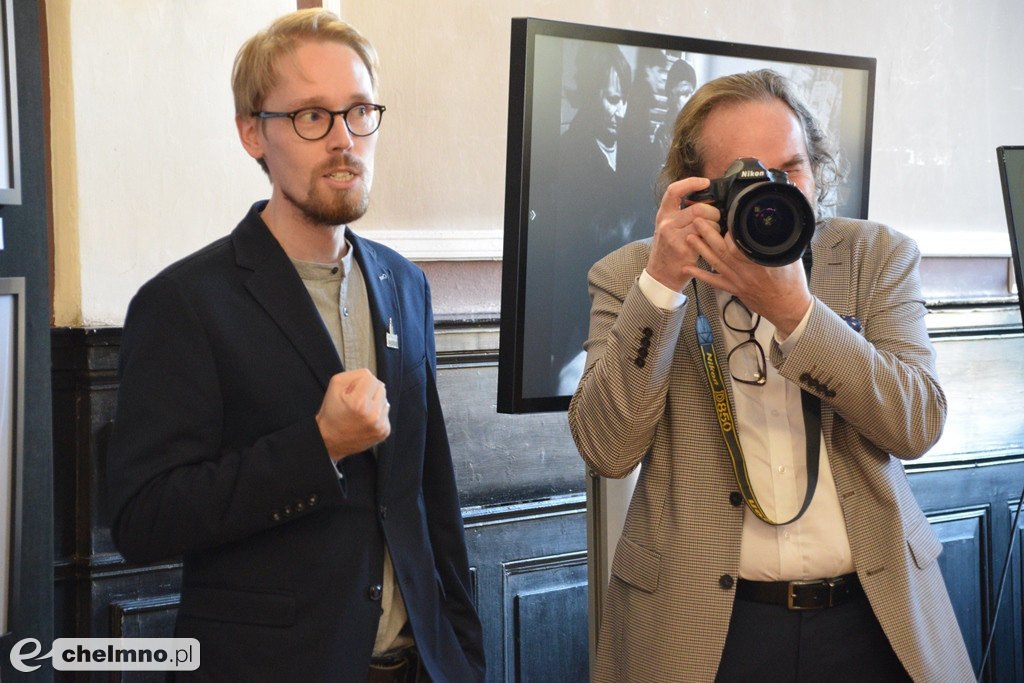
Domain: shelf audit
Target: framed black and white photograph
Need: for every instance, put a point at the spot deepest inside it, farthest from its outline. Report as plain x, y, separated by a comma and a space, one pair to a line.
591, 111
1010, 159
12, 399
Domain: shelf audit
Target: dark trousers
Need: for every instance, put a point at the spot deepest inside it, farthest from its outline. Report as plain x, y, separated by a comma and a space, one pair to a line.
772, 644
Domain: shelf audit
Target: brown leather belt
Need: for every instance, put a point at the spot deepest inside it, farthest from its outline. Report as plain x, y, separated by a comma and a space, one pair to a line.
800, 595
400, 666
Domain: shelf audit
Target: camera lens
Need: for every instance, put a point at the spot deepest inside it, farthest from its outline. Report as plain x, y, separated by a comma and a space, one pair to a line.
771, 222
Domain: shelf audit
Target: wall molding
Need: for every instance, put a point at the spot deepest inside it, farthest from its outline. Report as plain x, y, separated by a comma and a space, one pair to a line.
441, 245
487, 244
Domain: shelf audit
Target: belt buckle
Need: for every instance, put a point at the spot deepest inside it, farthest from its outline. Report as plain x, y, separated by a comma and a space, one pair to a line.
791, 593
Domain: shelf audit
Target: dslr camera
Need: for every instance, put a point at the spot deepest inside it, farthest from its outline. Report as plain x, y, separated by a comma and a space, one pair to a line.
770, 219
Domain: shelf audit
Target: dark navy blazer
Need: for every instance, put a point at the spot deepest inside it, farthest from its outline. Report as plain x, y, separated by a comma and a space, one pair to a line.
215, 456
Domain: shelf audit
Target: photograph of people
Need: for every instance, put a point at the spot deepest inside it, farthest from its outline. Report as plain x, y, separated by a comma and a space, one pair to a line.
593, 190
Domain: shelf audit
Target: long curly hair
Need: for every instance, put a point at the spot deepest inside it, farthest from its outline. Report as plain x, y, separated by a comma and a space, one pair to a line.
686, 155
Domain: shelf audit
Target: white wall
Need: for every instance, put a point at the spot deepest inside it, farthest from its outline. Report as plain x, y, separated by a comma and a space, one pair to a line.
148, 167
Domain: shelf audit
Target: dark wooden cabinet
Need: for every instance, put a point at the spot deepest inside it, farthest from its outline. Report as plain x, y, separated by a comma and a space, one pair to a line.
523, 489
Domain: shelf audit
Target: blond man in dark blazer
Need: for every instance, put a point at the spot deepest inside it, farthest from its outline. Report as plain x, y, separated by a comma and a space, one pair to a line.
278, 422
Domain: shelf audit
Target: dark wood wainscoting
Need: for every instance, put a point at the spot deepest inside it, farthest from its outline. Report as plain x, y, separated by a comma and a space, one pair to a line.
520, 480
524, 503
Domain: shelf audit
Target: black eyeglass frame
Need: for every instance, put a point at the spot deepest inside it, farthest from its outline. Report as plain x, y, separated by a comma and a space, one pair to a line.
755, 320
343, 113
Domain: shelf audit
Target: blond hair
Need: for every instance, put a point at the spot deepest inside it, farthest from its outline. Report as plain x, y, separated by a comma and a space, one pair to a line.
255, 74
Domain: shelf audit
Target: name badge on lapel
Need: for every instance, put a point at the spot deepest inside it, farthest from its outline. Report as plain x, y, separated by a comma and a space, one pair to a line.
391, 339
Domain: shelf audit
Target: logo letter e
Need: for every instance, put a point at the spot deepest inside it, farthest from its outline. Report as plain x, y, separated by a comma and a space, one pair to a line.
18, 657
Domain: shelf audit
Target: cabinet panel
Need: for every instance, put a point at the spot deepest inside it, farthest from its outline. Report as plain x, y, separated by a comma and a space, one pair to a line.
550, 635
962, 564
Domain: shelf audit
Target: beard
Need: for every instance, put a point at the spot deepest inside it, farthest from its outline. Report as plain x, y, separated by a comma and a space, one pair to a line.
324, 207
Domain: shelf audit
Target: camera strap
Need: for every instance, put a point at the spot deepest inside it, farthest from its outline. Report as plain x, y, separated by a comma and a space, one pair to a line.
726, 422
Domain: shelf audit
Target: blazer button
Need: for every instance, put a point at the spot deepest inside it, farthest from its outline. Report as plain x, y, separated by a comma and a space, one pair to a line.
736, 499
725, 581
374, 592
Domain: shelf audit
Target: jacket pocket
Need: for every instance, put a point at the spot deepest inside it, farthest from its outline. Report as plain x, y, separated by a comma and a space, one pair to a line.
415, 375
923, 543
240, 606
636, 565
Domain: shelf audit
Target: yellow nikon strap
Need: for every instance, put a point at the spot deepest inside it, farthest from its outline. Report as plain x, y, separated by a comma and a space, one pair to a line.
812, 424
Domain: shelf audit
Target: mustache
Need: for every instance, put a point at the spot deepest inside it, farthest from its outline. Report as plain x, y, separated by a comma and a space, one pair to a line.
345, 160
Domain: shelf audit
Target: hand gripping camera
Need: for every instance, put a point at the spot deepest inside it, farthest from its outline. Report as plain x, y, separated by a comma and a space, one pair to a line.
769, 217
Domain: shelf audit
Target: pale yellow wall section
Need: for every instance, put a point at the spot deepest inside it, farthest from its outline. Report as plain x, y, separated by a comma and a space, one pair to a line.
67, 279
146, 162
147, 165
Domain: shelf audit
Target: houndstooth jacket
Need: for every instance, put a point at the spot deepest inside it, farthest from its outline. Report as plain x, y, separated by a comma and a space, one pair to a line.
667, 608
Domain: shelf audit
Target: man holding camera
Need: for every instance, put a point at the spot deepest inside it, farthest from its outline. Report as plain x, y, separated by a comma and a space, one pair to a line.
772, 534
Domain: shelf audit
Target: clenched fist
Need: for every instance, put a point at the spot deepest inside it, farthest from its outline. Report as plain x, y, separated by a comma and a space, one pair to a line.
354, 413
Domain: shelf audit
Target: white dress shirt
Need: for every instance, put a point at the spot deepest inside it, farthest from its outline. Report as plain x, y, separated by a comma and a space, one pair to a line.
770, 425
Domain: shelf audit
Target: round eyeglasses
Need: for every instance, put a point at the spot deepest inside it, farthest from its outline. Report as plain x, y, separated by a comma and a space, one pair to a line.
314, 123
747, 363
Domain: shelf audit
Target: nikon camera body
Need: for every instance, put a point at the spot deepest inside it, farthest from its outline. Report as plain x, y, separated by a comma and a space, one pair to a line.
770, 219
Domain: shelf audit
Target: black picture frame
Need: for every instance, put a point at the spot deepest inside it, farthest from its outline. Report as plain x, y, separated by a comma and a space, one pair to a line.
1010, 160
10, 147
544, 300
12, 439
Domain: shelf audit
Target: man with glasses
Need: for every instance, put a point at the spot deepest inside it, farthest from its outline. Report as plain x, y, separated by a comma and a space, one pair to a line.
278, 423
772, 534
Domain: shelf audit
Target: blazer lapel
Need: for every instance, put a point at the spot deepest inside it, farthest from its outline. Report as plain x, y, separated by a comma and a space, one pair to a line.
386, 318
831, 278
276, 286
831, 273
385, 315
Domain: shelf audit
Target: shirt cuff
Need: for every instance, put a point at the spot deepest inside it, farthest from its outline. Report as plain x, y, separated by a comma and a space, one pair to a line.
658, 294
789, 342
